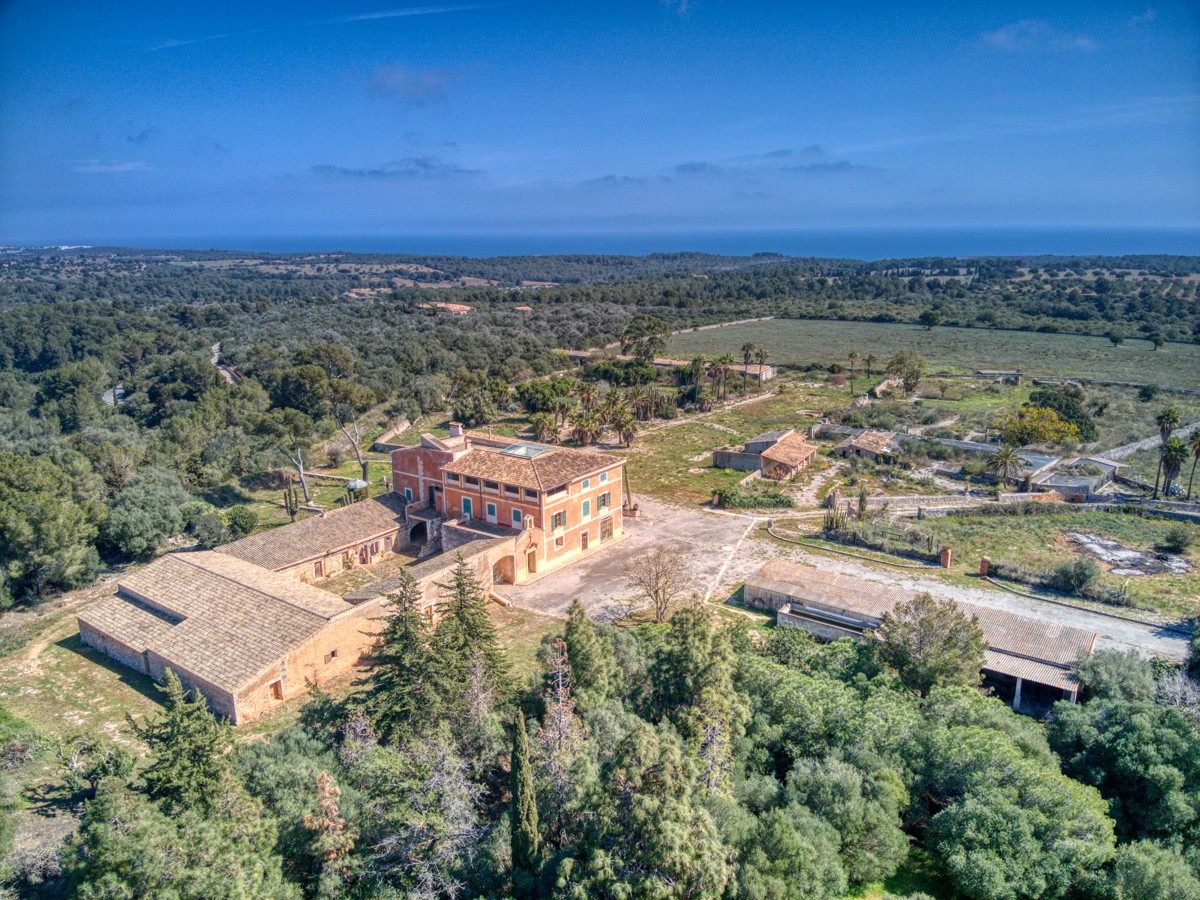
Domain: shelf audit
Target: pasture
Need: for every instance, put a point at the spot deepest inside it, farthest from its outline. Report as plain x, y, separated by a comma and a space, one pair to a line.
800, 342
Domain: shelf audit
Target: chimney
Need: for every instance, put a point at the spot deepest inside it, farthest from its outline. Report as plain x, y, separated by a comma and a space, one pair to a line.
456, 429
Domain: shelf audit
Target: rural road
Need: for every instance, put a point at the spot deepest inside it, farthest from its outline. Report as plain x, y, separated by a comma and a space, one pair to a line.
1145, 444
722, 551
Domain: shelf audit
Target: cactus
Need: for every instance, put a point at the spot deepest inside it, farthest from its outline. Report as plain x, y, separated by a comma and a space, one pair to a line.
291, 501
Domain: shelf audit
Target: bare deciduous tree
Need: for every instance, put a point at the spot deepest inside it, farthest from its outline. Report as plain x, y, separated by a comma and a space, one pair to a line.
662, 576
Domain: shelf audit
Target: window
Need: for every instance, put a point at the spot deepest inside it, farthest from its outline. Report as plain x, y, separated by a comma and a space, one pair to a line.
510, 491
606, 528
517, 521
560, 542
452, 478
587, 483
466, 507
530, 494
474, 482
603, 501
408, 495
561, 489
559, 520
331, 656
276, 690
603, 477
491, 485
491, 512
587, 509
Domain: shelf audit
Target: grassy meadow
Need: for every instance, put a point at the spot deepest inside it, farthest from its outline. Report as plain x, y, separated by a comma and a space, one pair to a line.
963, 350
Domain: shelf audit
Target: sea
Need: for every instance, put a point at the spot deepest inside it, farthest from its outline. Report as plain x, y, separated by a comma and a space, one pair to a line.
861, 244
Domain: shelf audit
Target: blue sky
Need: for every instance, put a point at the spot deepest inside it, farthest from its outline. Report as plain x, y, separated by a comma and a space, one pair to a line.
163, 121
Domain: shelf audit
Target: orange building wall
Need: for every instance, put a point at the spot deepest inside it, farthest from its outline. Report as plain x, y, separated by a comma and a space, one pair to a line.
417, 468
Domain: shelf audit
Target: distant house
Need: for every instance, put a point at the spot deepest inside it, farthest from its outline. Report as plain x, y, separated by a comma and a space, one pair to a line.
1025, 656
1077, 479
244, 637
873, 445
779, 455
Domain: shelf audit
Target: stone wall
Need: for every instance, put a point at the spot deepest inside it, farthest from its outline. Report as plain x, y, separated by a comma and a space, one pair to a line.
737, 460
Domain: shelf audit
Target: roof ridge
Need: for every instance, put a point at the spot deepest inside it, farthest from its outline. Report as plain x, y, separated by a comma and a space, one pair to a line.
257, 590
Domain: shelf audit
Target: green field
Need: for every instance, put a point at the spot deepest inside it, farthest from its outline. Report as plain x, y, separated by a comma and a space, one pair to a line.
797, 342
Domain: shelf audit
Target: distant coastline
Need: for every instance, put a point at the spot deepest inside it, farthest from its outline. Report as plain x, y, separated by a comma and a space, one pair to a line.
863, 244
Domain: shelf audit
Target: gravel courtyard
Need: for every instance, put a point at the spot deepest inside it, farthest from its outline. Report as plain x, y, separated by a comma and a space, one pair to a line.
724, 549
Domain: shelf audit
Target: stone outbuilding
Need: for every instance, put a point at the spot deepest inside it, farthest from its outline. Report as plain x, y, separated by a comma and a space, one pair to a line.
245, 638
874, 445
323, 545
1026, 659
779, 455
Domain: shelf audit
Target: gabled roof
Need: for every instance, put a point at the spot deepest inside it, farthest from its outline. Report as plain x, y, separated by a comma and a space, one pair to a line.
216, 617
872, 441
549, 469
770, 437
320, 535
792, 450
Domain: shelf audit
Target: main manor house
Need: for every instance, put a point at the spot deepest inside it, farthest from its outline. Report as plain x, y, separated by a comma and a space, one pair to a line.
248, 625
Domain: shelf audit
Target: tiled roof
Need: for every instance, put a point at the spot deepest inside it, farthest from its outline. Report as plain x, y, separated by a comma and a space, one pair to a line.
555, 467
234, 619
874, 441
769, 436
1016, 643
792, 450
320, 535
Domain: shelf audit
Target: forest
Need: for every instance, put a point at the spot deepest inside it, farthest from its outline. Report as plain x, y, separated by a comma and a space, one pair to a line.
692, 759
117, 430
705, 757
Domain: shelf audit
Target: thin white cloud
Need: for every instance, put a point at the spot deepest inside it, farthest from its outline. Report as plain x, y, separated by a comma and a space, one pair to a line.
1148, 16
411, 11
96, 167
415, 86
1036, 34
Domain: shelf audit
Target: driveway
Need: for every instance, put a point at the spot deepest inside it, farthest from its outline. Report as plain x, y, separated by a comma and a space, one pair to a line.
707, 540
722, 551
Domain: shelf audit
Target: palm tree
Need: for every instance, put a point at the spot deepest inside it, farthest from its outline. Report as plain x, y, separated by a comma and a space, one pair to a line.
1194, 446
853, 357
587, 394
1174, 454
868, 362
747, 352
544, 426
1006, 463
760, 357
626, 427
723, 370
1168, 421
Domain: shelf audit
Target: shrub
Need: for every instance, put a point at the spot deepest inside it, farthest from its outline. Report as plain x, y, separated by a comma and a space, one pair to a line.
241, 521
1073, 576
742, 498
1177, 539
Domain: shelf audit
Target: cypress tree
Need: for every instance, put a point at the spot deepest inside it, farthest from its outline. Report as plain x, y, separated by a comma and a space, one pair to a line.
525, 839
593, 670
466, 630
189, 749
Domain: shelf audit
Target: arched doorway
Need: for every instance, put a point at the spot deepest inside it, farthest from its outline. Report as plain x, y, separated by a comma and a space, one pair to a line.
504, 571
418, 534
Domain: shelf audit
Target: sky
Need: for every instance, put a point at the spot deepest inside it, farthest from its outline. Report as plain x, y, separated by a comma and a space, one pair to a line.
172, 122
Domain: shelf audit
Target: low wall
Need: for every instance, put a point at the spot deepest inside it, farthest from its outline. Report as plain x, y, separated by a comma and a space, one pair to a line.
737, 460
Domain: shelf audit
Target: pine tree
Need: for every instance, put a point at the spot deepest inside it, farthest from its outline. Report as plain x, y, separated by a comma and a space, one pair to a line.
466, 630
560, 740
189, 749
332, 841
404, 684
592, 667
525, 839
